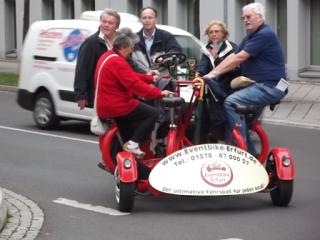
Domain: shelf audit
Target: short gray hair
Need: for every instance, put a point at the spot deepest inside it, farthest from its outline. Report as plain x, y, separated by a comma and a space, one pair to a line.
113, 13
124, 38
257, 8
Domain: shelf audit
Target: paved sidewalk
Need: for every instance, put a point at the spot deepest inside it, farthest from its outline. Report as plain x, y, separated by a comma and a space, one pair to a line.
23, 219
301, 107
3, 210
10, 66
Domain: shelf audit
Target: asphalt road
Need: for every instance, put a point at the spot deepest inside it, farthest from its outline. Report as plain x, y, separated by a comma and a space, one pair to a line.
49, 165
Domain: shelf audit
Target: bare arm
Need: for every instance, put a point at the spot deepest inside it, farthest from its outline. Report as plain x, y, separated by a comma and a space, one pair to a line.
231, 62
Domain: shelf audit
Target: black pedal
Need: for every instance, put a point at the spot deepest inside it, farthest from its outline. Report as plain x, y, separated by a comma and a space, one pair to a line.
100, 165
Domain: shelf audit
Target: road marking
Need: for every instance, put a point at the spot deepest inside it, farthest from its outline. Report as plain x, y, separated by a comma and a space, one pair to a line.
99, 209
48, 134
231, 239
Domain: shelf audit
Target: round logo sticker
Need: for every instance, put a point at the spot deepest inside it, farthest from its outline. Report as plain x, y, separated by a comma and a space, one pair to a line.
217, 173
72, 44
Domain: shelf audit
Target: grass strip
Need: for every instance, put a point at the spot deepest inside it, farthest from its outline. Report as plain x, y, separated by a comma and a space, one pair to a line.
9, 79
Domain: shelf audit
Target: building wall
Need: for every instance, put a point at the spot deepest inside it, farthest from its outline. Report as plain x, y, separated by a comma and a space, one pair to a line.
2, 30
172, 12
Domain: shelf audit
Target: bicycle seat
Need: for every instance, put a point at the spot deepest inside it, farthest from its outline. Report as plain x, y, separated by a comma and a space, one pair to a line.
245, 109
172, 101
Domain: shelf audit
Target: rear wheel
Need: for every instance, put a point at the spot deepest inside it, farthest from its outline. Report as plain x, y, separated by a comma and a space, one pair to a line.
44, 112
280, 190
124, 193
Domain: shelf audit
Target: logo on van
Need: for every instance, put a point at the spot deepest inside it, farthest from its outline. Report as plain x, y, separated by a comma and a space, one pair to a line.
72, 44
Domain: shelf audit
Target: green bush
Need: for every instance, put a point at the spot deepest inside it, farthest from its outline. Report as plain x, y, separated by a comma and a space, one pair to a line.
9, 79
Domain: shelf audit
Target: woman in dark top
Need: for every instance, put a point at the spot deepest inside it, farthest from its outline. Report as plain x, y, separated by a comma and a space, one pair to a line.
217, 49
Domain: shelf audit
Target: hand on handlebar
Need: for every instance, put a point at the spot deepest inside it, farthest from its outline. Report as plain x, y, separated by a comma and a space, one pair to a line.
155, 74
166, 93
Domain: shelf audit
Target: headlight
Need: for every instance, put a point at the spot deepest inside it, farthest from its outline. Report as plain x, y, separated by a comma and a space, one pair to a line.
286, 161
127, 163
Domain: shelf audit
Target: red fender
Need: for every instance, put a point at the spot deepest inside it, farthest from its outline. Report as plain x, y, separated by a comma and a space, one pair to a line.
127, 174
283, 172
104, 144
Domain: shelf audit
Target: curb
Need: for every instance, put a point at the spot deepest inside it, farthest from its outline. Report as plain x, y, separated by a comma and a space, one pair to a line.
8, 88
3, 210
24, 217
286, 122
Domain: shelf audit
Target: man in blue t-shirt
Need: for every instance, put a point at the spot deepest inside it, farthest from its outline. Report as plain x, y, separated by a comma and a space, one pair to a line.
261, 58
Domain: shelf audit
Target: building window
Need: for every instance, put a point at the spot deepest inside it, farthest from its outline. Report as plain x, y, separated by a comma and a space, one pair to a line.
314, 32
282, 24
193, 17
162, 8
68, 9
135, 7
10, 28
88, 5
48, 9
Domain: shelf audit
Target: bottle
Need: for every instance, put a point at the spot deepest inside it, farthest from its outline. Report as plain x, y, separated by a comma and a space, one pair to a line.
191, 68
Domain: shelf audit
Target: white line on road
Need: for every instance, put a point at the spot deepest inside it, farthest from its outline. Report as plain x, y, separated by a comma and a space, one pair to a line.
48, 134
99, 209
232, 239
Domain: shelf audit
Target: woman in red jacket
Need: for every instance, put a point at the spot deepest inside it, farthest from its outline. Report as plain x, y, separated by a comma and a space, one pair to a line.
118, 85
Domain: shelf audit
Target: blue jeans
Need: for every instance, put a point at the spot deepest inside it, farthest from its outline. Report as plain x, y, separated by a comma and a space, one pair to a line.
257, 94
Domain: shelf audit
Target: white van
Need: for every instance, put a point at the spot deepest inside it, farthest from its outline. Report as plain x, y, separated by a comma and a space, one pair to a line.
48, 64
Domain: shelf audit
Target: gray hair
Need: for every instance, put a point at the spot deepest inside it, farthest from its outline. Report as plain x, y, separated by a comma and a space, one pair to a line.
124, 37
113, 13
257, 8
220, 24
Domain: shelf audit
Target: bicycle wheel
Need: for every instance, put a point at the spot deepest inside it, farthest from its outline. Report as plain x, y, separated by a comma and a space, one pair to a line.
280, 190
124, 193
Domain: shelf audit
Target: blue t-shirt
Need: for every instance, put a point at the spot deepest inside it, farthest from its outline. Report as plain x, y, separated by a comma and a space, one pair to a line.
266, 63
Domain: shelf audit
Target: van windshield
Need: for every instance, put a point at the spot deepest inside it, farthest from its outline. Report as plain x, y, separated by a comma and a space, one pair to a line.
189, 46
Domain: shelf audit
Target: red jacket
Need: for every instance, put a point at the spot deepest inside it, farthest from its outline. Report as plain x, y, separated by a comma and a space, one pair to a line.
118, 84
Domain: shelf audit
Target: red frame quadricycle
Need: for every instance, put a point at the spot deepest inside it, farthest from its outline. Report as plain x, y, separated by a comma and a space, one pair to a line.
178, 163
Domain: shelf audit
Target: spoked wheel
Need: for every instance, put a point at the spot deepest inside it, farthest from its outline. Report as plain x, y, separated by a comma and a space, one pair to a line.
280, 190
125, 193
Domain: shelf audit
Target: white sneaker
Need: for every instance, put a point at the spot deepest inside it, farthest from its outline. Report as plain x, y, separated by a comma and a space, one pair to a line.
133, 148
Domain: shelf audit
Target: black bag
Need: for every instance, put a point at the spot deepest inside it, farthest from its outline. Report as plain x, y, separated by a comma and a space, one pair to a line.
214, 103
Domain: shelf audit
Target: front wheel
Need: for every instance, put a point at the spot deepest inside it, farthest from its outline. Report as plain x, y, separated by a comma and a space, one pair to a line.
282, 194
280, 190
124, 193
44, 112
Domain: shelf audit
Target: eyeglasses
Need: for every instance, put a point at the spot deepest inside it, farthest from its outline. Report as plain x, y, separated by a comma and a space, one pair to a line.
215, 31
248, 17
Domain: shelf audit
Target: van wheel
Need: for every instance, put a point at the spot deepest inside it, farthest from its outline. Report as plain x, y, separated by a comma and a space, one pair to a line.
44, 112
